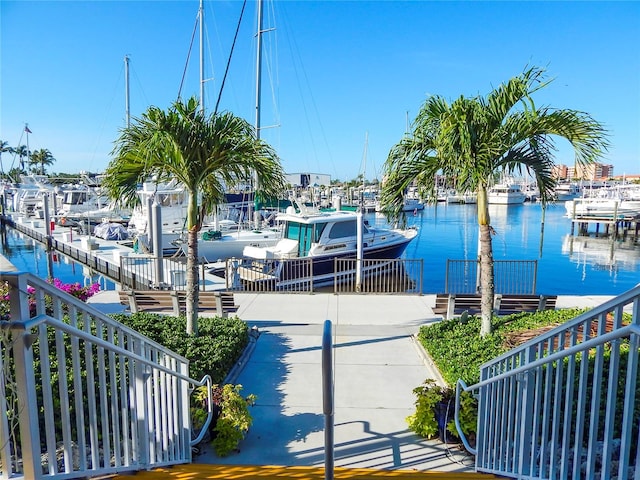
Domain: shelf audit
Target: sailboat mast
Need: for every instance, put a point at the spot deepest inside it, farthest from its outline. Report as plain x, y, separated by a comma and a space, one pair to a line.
201, 21
259, 68
127, 111
258, 101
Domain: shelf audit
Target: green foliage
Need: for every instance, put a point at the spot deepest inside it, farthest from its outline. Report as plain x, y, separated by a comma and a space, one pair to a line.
234, 420
458, 350
468, 415
215, 350
423, 421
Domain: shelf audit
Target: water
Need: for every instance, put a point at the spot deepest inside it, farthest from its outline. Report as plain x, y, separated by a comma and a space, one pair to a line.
591, 266
27, 255
450, 231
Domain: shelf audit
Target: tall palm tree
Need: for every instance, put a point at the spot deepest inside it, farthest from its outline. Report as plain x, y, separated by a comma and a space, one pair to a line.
475, 139
40, 158
204, 153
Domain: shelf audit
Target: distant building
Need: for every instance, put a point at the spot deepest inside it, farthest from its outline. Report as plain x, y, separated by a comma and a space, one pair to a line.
560, 172
592, 171
305, 180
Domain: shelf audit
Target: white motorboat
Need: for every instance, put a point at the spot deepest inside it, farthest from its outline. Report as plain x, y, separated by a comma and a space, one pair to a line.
617, 202
506, 194
567, 191
321, 237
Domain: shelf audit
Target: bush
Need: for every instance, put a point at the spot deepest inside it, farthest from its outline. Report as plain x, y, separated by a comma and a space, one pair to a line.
458, 350
218, 346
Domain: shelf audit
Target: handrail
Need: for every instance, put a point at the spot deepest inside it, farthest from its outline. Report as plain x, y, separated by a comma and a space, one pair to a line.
580, 347
567, 352
550, 406
456, 417
141, 388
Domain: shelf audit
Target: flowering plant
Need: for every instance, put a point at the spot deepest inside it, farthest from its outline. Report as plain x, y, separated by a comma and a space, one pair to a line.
82, 293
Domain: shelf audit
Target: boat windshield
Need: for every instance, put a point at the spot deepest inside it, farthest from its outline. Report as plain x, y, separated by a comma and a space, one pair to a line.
345, 229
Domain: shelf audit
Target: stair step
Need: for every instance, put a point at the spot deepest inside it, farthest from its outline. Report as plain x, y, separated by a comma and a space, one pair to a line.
249, 472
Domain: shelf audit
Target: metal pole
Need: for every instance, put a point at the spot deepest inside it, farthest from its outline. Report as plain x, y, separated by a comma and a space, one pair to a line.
327, 399
201, 21
157, 241
126, 91
47, 229
359, 252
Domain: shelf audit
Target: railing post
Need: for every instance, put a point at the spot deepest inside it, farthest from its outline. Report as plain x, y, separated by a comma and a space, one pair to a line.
527, 389
141, 405
25, 381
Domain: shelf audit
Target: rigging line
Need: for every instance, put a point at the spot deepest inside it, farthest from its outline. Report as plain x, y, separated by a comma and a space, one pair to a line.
226, 71
186, 65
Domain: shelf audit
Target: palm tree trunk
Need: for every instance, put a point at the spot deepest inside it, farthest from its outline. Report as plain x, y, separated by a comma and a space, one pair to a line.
193, 297
486, 262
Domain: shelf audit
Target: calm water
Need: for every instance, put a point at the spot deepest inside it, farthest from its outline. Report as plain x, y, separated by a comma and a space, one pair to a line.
589, 266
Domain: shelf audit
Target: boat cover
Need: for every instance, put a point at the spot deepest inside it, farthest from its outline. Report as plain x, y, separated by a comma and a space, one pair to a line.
111, 231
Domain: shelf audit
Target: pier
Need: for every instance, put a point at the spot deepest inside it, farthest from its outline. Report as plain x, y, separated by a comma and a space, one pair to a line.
115, 260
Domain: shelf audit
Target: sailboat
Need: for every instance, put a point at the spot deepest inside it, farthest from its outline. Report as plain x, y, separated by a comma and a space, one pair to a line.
216, 243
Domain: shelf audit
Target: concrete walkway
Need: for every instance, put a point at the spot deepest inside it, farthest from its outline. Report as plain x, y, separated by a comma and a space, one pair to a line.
376, 366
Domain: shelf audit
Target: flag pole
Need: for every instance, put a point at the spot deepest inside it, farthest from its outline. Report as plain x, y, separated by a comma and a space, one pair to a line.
27, 132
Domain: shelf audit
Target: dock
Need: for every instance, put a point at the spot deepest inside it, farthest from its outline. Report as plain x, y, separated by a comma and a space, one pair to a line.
115, 260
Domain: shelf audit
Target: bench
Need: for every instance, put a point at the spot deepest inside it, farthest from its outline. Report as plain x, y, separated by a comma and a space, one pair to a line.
454, 304
222, 303
508, 304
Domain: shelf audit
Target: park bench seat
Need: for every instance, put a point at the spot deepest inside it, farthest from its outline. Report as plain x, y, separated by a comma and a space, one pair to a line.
174, 301
454, 304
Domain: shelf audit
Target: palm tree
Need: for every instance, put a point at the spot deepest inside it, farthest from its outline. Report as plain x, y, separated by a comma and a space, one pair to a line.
475, 139
41, 158
206, 154
4, 147
21, 151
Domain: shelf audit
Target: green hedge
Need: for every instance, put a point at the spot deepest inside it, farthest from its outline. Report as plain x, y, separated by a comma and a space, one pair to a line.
218, 346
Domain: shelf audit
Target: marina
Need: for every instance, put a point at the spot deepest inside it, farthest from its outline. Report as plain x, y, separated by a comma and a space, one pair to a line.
579, 263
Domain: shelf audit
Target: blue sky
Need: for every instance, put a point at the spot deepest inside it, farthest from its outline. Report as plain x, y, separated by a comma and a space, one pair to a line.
340, 78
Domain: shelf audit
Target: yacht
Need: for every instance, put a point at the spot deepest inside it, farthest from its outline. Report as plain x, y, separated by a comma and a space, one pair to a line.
321, 237
506, 194
567, 191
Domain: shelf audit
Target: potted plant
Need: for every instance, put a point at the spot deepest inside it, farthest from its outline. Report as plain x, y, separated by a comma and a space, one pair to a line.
231, 416
433, 417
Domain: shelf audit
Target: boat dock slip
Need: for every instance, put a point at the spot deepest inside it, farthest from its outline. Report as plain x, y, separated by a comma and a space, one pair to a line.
114, 260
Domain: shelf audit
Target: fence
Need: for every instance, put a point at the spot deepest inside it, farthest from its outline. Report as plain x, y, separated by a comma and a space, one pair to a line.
510, 276
565, 404
85, 395
378, 276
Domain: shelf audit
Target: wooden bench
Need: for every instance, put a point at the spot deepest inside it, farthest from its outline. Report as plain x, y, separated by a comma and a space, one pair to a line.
508, 304
454, 304
222, 303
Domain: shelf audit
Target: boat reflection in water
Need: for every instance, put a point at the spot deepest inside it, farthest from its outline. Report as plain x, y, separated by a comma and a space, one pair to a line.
606, 253
311, 249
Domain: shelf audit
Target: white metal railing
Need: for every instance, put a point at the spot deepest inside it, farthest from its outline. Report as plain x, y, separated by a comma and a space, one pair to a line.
85, 395
567, 403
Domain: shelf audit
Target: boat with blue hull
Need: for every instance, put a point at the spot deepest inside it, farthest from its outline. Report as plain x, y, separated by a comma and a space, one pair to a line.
311, 243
